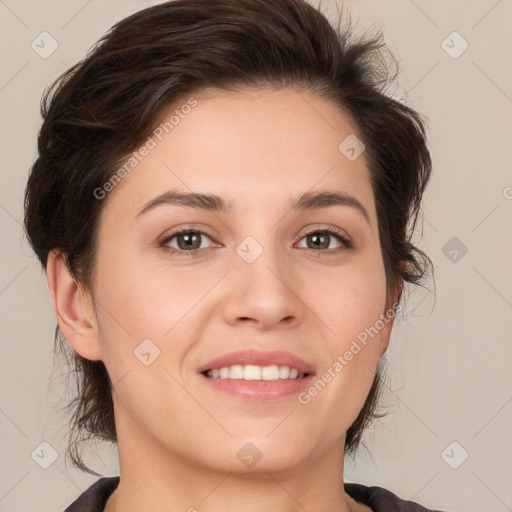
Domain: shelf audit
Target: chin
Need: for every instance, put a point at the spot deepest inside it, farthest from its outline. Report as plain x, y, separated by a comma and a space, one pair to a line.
252, 455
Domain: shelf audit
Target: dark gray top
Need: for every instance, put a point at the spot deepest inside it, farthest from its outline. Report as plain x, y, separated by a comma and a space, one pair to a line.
378, 499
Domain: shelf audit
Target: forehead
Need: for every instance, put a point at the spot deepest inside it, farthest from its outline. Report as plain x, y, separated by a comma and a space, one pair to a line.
253, 147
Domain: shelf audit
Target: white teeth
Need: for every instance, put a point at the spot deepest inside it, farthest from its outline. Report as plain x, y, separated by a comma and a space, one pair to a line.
254, 372
251, 372
270, 372
284, 372
236, 372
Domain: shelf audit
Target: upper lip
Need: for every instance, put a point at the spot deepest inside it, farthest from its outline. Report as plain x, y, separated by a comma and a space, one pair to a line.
258, 358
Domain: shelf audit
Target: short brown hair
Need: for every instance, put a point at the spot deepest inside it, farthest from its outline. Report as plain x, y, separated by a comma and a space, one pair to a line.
103, 108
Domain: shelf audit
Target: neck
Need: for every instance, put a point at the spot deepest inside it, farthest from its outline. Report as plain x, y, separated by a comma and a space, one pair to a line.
153, 478
231, 493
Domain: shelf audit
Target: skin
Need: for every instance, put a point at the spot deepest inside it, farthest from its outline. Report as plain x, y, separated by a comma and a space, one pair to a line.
177, 437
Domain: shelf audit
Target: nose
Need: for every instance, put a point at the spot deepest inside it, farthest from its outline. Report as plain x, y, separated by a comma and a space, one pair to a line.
264, 293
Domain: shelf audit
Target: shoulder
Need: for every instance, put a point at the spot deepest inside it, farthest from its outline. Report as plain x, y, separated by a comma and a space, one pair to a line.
94, 498
382, 500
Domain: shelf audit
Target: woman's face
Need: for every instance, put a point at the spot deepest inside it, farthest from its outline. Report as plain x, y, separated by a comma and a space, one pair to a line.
258, 275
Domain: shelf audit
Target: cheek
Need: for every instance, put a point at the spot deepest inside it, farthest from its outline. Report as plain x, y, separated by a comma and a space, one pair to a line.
348, 299
148, 302
139, 313
145, 310
350, 304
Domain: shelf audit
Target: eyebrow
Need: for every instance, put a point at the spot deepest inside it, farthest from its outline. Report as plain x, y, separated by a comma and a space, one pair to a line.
215, 203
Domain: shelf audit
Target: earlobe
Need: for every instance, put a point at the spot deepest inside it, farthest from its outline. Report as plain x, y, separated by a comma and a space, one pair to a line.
385, 335
389, 318
72, 307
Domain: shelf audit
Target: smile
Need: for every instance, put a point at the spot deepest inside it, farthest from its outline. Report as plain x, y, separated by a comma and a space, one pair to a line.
254, 372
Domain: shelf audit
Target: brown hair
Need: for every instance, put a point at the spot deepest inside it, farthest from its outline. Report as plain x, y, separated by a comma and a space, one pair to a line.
103, 108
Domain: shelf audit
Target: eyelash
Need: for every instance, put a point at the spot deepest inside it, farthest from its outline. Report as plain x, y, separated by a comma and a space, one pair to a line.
347, 244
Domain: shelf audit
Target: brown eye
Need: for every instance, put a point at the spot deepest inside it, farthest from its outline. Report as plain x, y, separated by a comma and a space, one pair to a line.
319, 240
185, 241
322, 239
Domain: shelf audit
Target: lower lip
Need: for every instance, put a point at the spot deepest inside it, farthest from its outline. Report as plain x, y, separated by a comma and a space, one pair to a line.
260, 390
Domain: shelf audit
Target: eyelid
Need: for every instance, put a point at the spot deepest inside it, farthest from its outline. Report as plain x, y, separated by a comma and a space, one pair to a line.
313, 228
171, 232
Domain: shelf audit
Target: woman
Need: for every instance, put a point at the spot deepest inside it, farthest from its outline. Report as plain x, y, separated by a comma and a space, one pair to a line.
221, 202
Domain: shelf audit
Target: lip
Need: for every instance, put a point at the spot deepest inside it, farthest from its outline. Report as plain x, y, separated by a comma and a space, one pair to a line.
259, 390
258, 358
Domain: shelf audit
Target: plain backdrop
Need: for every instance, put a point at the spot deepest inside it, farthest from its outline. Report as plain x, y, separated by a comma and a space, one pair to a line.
446, 440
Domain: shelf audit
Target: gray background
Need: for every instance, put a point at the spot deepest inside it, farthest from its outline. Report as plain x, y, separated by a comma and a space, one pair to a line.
449, 363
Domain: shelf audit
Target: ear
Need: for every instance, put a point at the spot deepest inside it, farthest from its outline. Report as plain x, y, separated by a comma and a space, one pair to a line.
389, 317
73, 308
